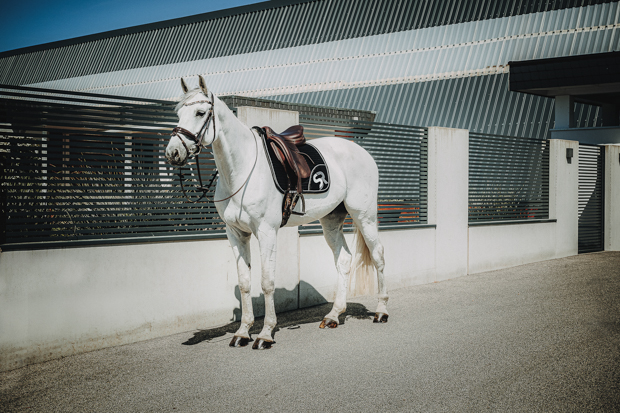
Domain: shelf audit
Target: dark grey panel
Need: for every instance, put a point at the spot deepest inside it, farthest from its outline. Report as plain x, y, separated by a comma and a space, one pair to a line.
591, 203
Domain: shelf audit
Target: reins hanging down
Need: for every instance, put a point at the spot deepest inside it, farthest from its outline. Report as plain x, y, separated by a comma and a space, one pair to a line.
204, 189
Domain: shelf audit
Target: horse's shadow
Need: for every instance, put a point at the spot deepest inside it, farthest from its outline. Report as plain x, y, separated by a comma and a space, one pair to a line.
286, 319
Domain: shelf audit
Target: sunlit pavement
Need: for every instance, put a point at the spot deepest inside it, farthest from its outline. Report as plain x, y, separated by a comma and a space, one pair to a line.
538, 337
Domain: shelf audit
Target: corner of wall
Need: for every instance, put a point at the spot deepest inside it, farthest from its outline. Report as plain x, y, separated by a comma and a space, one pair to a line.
564, 195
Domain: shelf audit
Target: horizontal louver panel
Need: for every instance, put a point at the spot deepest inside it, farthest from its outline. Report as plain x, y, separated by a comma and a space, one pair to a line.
81, 169
508, 178
590, 208
88, 168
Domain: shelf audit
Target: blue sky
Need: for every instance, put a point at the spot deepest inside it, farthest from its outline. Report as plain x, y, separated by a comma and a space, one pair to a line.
31, 22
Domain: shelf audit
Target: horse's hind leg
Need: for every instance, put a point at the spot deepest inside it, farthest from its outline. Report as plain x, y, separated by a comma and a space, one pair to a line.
240, 243
367, 225
332, 230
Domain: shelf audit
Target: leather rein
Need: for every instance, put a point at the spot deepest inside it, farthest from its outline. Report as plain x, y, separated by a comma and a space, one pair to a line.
197, 139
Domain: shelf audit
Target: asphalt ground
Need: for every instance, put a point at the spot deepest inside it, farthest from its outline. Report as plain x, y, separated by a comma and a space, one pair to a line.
538, 337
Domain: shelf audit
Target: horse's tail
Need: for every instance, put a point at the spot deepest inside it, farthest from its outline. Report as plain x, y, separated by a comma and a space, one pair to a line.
361, 274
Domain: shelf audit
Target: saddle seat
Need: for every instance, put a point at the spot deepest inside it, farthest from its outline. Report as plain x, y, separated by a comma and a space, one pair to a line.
285, 147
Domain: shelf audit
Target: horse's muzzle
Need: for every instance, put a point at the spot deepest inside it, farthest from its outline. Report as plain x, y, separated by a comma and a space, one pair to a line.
175, 157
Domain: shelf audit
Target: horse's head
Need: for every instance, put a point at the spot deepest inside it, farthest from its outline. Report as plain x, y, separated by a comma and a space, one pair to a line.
193, 132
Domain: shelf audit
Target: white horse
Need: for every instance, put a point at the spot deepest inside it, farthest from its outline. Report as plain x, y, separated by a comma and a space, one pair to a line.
249, 203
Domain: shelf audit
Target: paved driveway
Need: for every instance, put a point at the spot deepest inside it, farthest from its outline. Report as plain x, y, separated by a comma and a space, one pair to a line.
538, 337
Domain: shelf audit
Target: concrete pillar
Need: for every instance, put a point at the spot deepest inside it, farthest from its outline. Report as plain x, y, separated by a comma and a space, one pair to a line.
564, 112
448, 190
563, 194
612, 198
287, 258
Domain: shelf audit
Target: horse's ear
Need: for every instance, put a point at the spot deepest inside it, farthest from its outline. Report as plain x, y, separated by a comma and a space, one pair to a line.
184, 86
203, 85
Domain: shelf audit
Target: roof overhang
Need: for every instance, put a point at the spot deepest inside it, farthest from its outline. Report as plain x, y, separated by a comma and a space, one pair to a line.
592, 79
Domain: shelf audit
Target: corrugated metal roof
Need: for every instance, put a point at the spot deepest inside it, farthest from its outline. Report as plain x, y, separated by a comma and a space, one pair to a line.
262, 27
481, 104
445, 52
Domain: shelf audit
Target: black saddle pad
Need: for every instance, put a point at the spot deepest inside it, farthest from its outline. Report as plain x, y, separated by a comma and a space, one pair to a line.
317, 183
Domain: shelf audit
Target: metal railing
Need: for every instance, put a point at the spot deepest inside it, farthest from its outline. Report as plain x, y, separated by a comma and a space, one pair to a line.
81, 169
87, 169
508, 178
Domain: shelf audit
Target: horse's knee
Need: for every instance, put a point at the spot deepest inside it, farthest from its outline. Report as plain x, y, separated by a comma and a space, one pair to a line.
268, 286
245, 285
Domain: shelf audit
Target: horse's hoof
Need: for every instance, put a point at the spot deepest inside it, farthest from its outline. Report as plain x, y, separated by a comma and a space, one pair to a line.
380, 318
328, 323
261, 344
239, 341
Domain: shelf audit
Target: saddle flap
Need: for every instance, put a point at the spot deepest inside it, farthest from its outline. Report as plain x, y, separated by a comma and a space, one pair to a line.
285, 147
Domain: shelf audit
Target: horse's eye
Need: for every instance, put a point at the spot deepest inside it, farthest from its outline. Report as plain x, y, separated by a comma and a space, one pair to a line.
200, 113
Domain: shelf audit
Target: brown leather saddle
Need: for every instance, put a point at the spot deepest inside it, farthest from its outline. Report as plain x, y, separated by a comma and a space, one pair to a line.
284, 145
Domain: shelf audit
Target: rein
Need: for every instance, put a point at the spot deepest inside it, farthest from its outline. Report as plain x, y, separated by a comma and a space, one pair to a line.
198, 138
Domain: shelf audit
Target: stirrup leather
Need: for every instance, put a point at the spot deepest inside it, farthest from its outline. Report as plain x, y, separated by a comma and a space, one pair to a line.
288, 205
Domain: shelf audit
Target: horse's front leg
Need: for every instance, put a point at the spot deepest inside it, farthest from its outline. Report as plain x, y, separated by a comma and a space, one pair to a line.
267, 241
240, 243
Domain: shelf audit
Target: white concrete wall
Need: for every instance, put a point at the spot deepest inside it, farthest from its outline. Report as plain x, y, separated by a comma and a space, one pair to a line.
412, 256
276, 119
612, 198
64, 301
59, 302
492, 247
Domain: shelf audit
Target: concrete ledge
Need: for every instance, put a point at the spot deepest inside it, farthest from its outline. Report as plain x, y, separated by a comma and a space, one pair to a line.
497, 246
511, 222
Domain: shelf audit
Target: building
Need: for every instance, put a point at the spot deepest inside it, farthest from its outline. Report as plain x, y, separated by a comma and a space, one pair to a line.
431, 63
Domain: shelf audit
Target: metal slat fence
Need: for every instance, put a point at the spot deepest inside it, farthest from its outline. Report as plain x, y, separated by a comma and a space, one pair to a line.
508, 178
87, 169
81, 169
401, 155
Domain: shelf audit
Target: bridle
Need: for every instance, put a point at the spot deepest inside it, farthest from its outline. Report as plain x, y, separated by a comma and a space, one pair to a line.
198, 138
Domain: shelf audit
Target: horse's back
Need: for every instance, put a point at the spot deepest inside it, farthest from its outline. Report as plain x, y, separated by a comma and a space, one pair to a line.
356, 165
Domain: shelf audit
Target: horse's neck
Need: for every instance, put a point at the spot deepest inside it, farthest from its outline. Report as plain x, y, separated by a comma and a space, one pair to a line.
234, 148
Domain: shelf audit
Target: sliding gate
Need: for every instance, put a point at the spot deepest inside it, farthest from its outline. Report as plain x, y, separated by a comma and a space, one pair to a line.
591, 161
